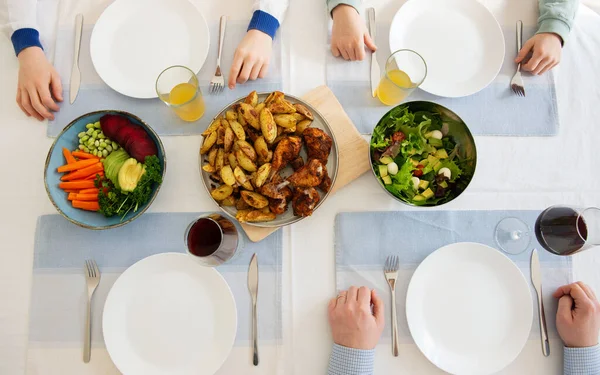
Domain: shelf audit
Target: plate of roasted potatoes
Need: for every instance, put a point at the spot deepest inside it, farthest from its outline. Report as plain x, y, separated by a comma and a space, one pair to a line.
269, 159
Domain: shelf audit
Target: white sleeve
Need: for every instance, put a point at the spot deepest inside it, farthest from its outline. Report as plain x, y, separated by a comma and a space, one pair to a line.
21, 14
276, 8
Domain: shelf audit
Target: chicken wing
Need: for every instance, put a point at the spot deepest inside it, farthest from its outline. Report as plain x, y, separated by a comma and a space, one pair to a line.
318, 144
310, 175
325, 182
279, 196
305, 201
287, 150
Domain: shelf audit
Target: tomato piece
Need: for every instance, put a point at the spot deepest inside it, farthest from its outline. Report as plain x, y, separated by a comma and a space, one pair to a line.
398, 137
420, 166
418, 172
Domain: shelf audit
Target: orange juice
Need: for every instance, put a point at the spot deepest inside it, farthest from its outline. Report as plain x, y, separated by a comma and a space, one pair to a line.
186, 100
394, 87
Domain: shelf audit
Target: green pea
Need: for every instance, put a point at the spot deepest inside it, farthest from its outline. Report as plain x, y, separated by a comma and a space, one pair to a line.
115, 146
85, 149
104, 153
97, 125
109, 148
102, 144
101, 136
90, 143
81, 147
96, 132
89, 126
85, 138
89, 132
81, 134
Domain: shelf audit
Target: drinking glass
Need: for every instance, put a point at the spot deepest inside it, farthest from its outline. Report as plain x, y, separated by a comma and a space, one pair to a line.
564, 230
212, 239
513, 235
405, 70
177, 86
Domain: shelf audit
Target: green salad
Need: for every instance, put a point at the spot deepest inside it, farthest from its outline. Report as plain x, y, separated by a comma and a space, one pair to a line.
416, 160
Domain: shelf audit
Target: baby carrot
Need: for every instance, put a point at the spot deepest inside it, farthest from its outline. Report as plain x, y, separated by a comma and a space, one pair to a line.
89, 206
85, 172
77, 165
72, 196
90, 191
88, 184
68, 156
86, 197
83, 155
93, 176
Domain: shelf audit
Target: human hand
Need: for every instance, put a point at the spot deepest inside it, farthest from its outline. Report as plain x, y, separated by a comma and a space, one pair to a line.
39, 84
578, 315
251, 58
545, 49
349, 34
352, 323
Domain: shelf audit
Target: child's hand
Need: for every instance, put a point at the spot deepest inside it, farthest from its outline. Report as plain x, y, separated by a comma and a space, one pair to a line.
349, 34
545, 49
251, 58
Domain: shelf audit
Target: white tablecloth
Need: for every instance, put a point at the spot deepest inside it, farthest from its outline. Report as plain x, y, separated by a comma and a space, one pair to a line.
513, 173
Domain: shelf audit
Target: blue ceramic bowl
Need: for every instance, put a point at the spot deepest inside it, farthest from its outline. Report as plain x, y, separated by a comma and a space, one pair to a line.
68, 138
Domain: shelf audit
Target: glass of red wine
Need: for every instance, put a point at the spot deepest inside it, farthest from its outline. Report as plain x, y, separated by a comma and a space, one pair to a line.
564, 230
212, 239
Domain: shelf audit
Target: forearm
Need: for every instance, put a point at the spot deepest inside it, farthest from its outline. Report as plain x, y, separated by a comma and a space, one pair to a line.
22, 25
331, 4
268, 15
556, 16
582, 361
348, 361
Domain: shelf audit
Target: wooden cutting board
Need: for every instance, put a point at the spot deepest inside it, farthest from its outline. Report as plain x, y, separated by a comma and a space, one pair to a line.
352, 148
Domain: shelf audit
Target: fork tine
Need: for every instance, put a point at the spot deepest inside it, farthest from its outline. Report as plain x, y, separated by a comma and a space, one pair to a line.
96, 270
87, 269
397, 264
387, 264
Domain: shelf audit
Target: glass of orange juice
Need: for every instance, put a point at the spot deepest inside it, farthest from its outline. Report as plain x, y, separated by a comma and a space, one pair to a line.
405, 70
177, 86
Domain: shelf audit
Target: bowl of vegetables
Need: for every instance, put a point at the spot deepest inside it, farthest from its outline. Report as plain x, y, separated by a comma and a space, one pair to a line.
423, 154
104, 169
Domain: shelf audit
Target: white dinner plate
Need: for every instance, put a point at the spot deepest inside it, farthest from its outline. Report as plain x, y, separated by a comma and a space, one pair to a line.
133, 41
167, 314
469, 309
460, 41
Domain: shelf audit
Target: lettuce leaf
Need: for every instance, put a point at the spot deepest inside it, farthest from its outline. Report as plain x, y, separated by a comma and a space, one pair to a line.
401, 184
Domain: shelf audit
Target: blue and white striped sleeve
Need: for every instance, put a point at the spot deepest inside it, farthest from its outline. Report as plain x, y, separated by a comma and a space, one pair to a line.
268, 16
348, 361
582, 361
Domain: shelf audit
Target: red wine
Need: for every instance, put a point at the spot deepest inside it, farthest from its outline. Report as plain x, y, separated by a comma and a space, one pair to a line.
204, 237
561, 230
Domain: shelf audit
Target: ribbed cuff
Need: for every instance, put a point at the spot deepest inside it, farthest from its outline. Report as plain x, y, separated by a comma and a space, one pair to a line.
582, 361
25, 38
348, 361
331, 4
555, 26
264, 22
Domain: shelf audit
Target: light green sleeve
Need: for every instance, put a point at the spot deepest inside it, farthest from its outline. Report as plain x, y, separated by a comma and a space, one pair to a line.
556, 16
331, 4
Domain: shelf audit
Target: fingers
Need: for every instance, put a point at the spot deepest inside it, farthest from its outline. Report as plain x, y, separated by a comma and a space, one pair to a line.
377, 308
341, 298
345, 54
588, 291
351, 53
565, 308
364, 296
352, 294
575, 291
535, 60
238, 60
19, 103
56, 86
370, 43
46, 98
542, 65
359, 52
263, 70
26, 103
335, 51
36, 102
331, 305
524, 51
548, 67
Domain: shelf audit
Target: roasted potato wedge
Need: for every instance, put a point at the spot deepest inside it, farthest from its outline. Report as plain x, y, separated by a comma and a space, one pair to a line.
209, 141
238, 129
280, 105
301, 108
244, 161
258, 216
224, 122
273, 96
208, 168
240, 118
248, 149
228, 139
267, 125
230, 115
212, 127
241, 177
262, 174
254, 199
221, 192
285, 120
252, 99
241, 204
261, 148
219, 160
212, 155
227, 175
299, 117
229, 201
302, 125
232, 160
249, 115
242, 213
289, 130
259, 107
220, 135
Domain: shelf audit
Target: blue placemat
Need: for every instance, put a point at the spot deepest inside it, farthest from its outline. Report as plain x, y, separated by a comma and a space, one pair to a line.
58, 296
363, 240
95, 95
494, 110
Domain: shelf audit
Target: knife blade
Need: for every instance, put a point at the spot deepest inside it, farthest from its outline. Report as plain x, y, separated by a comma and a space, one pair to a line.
536, 280
375, 71
75, 73
253, 289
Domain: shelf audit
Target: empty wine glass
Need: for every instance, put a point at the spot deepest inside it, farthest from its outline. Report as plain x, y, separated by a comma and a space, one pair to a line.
512, 235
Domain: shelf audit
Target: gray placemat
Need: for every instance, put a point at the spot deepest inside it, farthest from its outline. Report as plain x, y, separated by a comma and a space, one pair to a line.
95, 95
58, 295
363, 240
494, 110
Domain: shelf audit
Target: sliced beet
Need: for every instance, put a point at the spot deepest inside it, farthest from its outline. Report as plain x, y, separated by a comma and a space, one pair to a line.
141, 148
110, 124
123, 135
136, 136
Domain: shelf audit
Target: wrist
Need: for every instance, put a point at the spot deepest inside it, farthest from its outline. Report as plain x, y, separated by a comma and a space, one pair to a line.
343, 10
29, 52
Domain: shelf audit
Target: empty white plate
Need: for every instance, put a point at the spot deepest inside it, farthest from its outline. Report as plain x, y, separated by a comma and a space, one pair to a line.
133, 41
469, 309
460, 41
167, 314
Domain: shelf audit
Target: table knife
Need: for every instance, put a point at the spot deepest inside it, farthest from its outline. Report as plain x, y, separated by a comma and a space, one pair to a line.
536, 279
253, 289
375, 72
75, 73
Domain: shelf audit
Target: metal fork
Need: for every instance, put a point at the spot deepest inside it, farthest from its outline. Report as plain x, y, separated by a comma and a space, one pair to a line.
92, 279
516, 84
390, 271
217, 84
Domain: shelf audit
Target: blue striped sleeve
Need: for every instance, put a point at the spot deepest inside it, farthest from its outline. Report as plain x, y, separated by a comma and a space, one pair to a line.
264, 22
582, 361
25, 38
348, 361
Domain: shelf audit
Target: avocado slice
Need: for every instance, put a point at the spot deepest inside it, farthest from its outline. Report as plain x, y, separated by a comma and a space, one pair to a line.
435, 142
130, 174
432, 159
437, 166
441, 154
387, 180
419, 198
423, 184
444, 184
424, 162
113, 163
383, 170
428, 193
386, 160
